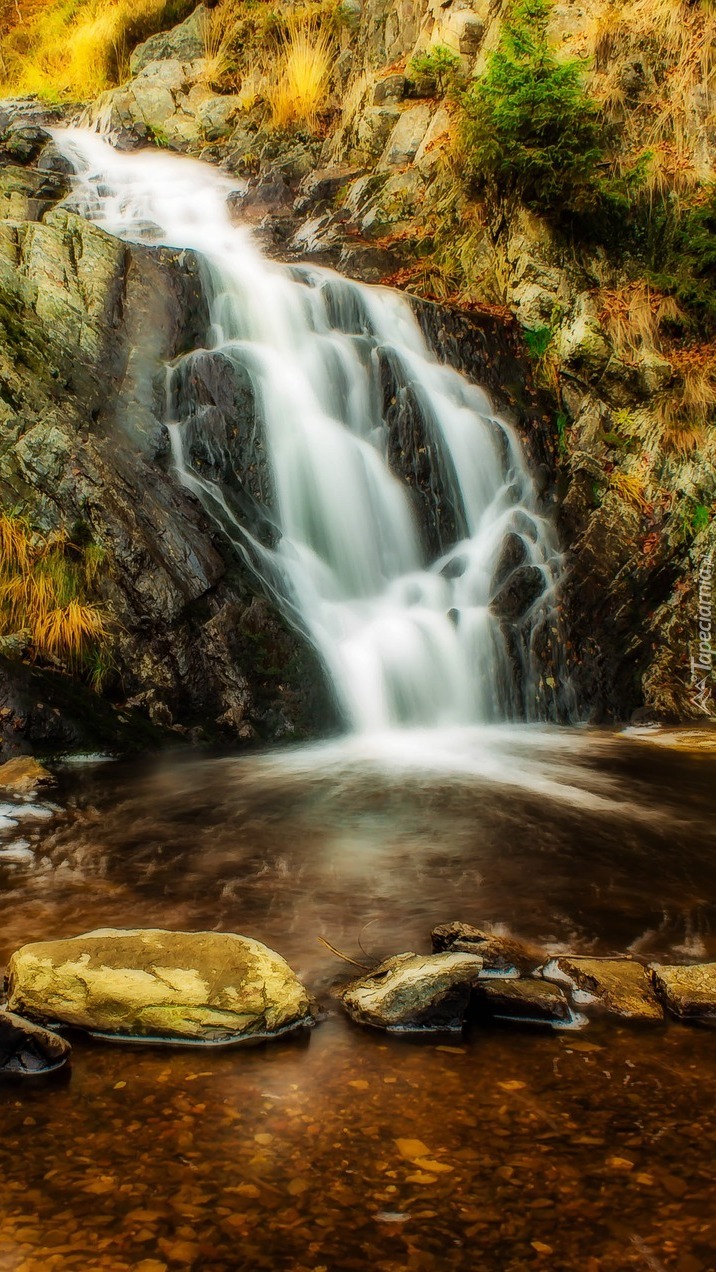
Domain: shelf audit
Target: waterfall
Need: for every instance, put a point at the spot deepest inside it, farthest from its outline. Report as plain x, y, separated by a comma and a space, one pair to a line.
404, 620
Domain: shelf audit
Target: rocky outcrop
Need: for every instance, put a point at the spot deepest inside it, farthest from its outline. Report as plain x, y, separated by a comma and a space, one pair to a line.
200, 987
29, 1051
87, 323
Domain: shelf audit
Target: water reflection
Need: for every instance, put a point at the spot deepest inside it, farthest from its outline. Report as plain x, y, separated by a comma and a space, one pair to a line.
564, 1152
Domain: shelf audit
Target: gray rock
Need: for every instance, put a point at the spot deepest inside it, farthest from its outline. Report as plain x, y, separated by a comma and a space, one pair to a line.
29, 1051
184, 43
689, 992
406, 137
415, 992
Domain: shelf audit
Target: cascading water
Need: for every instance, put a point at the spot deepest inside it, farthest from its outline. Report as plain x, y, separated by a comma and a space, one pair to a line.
334, 534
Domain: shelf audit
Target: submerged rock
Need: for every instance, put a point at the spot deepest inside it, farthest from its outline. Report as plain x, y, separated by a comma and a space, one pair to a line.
210, 987
415, 992
616, 984
689, 992
27, 1050
498, 953
526, 999
23, 774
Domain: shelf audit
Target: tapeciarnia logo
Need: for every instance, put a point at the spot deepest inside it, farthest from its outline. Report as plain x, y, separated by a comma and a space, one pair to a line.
702, 665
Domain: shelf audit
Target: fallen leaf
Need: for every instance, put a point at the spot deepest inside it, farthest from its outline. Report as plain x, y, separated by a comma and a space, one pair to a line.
541, 1248
421, 1177
428, 1163
412, 1148
512, 1085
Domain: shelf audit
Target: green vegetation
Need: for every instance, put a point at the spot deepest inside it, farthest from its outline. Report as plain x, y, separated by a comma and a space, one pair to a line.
530, 133
436, 72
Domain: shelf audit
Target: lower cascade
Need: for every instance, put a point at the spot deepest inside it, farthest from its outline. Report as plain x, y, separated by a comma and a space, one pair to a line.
298, 473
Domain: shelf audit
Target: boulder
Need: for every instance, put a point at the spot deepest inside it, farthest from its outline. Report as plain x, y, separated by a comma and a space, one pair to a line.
183, 43
528, 999
498, 953
27, 1050
521, 591
619, 985
23, 774
193, 987
689, 992
415, 992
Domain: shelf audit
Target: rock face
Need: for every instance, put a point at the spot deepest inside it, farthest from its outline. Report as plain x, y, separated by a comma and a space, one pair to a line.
689, 992
618, 985
498, 953
415, 992
86, 324
29, 1051
208, 987
22, 775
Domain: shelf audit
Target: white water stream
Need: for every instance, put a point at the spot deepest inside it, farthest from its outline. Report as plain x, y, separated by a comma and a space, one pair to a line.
405, 640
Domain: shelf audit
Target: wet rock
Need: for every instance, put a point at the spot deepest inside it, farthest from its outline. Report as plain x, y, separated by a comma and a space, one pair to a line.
689, 992
512, 555
527, 999
183, 43
619, 985
498, 953
415, 992
27, 1050
23, 774
208, 987
517, 596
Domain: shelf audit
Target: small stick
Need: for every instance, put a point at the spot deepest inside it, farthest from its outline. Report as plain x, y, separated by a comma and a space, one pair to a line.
345, 957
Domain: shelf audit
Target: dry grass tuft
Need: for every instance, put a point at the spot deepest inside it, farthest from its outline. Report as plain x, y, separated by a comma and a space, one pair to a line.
73, 50
631, 489
633, 318
654, 74
44, 582
298, 91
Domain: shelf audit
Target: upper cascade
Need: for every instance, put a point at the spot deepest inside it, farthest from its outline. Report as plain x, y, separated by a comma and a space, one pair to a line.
406, 628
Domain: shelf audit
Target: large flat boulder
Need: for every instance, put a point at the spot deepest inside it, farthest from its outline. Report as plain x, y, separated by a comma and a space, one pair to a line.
689, 992
29, 1051
210, 987
415, 992
618, 985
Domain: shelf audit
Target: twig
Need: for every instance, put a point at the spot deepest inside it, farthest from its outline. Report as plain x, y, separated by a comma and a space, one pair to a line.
345, 957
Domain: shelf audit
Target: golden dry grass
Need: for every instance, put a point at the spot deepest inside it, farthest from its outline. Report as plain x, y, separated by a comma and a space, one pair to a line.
631, 488
633, 318
43, 594
62, 49
297, 91
654, 74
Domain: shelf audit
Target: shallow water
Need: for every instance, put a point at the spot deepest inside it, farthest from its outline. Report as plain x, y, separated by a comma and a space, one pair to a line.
560, 1150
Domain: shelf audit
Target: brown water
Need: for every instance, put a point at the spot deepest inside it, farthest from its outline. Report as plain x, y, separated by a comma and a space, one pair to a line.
593, 1150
